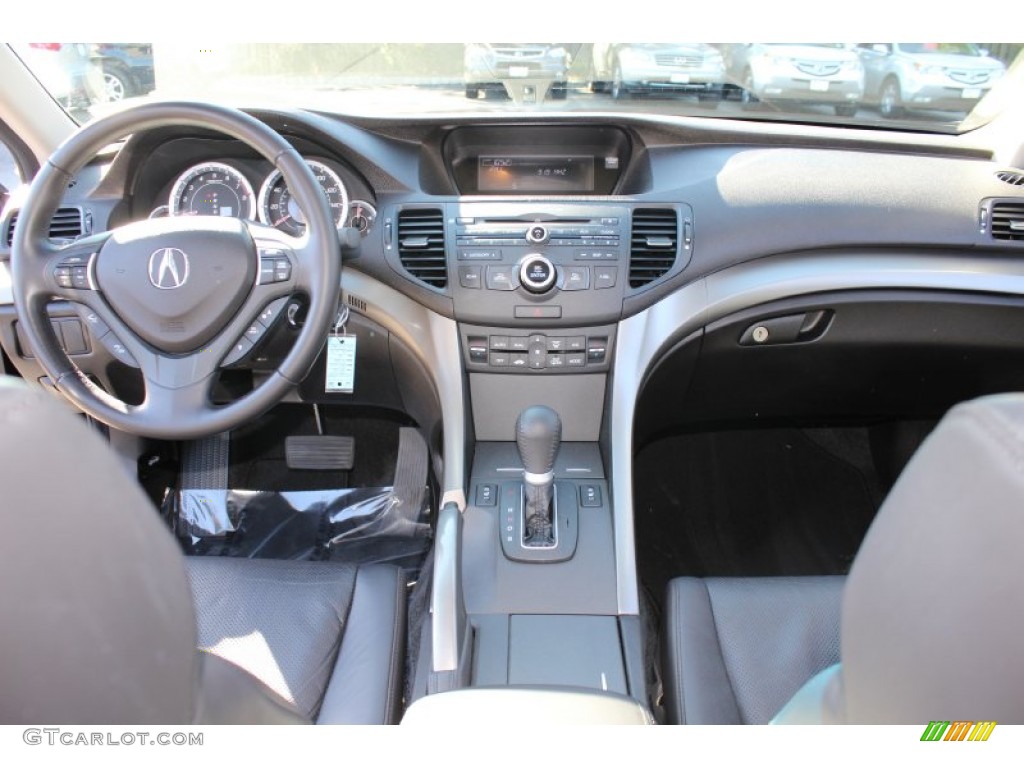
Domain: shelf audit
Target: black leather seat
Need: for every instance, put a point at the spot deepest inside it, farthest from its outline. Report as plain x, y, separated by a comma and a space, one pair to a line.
106, 622
927, 625
738, 649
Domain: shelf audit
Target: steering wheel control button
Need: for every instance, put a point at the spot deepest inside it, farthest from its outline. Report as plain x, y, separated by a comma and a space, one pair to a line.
93, 322
575, 279
240, 350
605, 277
79, 277
537, 234
73, 272
537, 273
501, 278
275, 270
271, 312
120, 352
62, 275
255, 332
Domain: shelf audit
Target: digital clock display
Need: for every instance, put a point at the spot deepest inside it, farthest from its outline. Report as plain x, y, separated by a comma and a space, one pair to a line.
536, 173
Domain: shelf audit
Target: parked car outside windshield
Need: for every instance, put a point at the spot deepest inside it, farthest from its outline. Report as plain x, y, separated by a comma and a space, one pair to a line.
933, 76
828, 83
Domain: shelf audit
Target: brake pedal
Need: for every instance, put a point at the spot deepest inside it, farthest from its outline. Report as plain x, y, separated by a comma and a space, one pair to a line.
321, 452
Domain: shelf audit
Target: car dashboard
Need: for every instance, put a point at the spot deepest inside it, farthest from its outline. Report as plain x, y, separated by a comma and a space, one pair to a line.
636, 275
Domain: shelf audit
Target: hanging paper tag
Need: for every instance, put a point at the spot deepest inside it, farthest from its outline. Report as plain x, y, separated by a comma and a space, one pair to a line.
341, 363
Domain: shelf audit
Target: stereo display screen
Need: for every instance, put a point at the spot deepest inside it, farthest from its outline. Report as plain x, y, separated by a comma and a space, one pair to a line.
536, 173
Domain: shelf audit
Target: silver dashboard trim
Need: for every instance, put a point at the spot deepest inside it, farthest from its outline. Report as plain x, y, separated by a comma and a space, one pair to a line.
435, 340
6, 287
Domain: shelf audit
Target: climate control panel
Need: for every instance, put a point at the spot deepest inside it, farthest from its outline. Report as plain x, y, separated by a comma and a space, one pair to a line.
512, 350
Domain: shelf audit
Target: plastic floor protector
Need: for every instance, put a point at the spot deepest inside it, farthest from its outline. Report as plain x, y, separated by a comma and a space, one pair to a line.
357, 525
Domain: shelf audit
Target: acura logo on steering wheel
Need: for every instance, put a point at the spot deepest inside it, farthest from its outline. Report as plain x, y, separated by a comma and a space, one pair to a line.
168, 268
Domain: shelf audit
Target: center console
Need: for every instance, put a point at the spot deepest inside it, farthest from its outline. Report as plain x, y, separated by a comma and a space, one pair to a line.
537, 257
538, 296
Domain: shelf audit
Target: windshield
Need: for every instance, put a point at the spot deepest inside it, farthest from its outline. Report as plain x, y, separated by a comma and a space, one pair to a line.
857, 84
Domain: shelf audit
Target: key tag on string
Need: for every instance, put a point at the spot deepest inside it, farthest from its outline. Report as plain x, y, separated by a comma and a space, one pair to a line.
341, 356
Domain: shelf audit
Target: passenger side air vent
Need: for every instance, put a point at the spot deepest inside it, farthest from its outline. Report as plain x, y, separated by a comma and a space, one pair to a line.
66, 224
1011, 177
1008, 221
421, 245
654, 244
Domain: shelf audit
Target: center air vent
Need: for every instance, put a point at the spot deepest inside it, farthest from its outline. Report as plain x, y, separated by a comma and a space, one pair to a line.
421, 245
66, 224
654, 244
1011, 177
1008, 221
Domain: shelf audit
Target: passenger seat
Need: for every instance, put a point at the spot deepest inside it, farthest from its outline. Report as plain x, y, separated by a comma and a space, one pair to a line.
927, 625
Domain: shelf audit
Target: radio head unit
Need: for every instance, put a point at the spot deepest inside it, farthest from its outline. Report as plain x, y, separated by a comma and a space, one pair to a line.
544, 264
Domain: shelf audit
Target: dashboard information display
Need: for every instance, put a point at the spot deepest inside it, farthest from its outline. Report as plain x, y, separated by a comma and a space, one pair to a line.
536, 173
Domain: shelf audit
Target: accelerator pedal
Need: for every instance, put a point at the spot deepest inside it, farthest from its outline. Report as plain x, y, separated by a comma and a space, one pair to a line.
320, 452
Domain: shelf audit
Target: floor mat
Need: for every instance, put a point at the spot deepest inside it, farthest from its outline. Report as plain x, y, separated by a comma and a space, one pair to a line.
378, 512
360, 525
752, 503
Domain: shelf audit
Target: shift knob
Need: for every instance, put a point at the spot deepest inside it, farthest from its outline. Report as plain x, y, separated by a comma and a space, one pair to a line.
538, 436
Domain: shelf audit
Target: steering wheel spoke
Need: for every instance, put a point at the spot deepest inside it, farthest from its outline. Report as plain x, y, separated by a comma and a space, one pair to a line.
163, 404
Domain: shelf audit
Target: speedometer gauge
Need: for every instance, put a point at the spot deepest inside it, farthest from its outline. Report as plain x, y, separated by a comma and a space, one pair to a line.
279, 209
213, 189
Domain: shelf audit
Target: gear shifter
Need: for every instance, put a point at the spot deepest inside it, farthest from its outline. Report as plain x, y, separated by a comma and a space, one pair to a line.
538, 436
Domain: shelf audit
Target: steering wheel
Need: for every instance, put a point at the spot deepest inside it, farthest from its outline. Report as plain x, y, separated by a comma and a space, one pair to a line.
177, 293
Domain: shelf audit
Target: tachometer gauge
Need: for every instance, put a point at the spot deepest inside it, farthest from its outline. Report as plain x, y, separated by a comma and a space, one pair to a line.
213, 189
361, 216
279, 209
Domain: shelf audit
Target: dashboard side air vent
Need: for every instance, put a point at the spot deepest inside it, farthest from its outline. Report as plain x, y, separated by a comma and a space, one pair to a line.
66, 224
421, 245
1011, 177
1007, 221
654, 244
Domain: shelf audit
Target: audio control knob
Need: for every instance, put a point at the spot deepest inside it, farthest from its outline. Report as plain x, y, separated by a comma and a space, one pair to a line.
537, 234
536, 273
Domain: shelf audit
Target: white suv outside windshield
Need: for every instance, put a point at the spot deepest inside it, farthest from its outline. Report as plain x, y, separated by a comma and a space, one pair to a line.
828, 83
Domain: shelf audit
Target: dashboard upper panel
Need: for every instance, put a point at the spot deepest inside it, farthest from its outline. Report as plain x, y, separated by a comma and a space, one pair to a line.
740, 193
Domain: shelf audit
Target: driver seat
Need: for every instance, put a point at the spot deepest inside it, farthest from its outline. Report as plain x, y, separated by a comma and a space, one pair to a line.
105, 622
